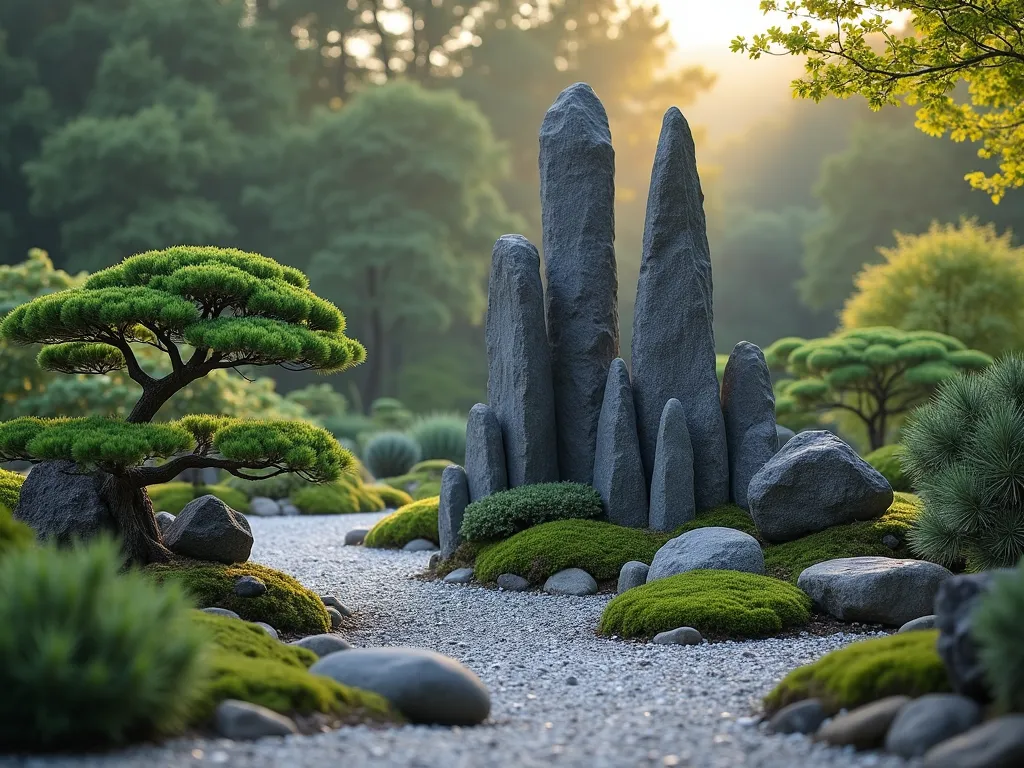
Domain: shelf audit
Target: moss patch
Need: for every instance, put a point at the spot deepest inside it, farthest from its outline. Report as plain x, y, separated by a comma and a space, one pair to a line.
413, 521
247, 664
10, 488
887, 461
287, 606
716, 603
787, 561
725, 516
866, 671
393, 498
597, 547
342, 497
423, 481
172, 497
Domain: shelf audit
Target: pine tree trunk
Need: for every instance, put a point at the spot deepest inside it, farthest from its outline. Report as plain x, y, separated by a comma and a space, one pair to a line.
136, 524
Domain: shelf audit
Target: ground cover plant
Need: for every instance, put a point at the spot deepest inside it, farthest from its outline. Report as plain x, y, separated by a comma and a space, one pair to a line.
413, 521
205, 309
505, 513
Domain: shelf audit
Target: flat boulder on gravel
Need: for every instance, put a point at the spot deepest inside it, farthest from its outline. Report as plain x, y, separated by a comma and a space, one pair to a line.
679, 636
714, 548
261, 506
511, 582
322, 645
815, 481
998, 743
426, 687
208, 529
632, 574
420, 545
242, 721
356, 536
929, 720
571, 581
459, 576
875, 590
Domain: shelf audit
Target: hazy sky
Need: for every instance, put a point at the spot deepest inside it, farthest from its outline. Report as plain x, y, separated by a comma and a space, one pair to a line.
703, 25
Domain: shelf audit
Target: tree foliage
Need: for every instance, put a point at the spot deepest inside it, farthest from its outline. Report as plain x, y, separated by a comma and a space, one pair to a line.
875, 374
949, 41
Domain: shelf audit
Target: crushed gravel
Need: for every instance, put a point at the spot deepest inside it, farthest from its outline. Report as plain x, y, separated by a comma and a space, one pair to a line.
561, 695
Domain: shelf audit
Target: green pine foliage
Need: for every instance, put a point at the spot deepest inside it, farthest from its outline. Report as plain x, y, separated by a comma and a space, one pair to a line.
505, 513
963, 453
887, 461
440, 436
287, 606
10, 488
172, 497
717, 604
413, 521
997, 628
390, 453
897, 665
92, 657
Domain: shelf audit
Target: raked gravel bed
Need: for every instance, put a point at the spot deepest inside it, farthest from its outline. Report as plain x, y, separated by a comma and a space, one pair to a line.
631, 704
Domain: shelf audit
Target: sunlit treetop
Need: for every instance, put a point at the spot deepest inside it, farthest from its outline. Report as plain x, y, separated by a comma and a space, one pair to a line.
851, 49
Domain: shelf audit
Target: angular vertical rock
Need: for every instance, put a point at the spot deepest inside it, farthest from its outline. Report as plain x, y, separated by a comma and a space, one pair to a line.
748, 406
577, 191
618, 471
485, 454
673, 348
519, 363
451, 508
672, 500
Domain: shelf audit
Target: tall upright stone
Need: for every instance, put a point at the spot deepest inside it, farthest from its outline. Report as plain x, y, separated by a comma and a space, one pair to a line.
577, 191
618, 471
748, 406
519, 363
672, 499
673, 341
451, 508
485, 454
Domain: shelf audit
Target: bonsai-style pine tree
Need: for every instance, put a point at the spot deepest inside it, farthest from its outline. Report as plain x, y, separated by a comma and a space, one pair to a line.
206, 309
877, 374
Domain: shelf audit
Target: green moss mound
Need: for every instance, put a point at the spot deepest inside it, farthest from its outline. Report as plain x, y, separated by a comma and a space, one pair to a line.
342, 497
887, 461
866, 671
249, 665
725, 516
433, 468
423, 481
392, 497
413, 521
287, 606
10, 488
505, 513
787, 561
172, 497
716, 603
597, 547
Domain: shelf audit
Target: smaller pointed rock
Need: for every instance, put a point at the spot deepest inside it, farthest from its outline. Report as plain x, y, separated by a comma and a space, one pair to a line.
748, 405
672, 500
451, 508
618, 470
485, 454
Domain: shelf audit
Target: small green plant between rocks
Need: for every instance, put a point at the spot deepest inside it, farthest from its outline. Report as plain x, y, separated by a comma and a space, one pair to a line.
998, 629
505, 513
413, 521
390, 453
886, 460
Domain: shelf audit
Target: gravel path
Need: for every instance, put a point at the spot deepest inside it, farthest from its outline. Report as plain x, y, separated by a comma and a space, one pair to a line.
631, 705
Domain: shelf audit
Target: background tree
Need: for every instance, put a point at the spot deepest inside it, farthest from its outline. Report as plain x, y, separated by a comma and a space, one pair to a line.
876, 374
206, 309
965, 281
948, 41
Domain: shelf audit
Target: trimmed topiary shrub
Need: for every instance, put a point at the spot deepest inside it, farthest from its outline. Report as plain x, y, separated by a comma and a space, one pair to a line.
441, 436
787, 561
287, 606
390, 453
277, 487
10, 488
172, 497
91, 657
599, 548
866, 671
998, 628
715, 603
887, 461
393, 498
249, 665
963, 454
503, 514
413, 521
337, 498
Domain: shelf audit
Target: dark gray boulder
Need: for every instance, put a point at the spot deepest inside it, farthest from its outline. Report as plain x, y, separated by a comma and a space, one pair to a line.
618, 470
748, 406
208, 529
485, 453
632, 574
929, 720
672, 493
673, 346
420, 545
571, 581
512, 582
878, 590
998, 743
785, 434
814, 482
459, 576
426, 687
864, 727
577, 192
163, 519
519, 385
451, 508
322, 645
242, 721
799, 717
250, 586
713, 548
356, 536
679, 636
61, 501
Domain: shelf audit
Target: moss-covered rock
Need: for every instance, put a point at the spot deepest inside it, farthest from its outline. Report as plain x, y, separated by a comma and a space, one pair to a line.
286, 605
247, 664
787, 561
342, 497
903, 664
413, 521
887, 461
172, 497
392, 497
716, 603
599, 548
